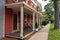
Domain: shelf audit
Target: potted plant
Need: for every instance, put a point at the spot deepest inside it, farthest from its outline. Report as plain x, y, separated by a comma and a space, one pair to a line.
36, 26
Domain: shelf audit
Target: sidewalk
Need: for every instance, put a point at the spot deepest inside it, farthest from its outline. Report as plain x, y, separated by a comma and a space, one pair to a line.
42, 34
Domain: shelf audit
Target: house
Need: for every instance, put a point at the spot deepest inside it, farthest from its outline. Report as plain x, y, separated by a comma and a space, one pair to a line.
19, 18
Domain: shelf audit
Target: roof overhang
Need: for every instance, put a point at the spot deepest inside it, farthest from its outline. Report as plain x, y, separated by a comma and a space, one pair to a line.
12, 5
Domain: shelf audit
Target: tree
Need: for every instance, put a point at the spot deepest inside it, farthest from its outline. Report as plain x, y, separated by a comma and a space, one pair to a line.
56, 26
49, 10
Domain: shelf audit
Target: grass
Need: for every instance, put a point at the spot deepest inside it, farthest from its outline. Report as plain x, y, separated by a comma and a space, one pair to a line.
54, 34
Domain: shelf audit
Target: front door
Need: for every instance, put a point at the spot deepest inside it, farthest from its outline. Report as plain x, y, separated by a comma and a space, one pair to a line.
14, 22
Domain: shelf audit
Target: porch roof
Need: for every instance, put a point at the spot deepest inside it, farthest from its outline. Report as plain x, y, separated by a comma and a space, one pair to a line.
25, 5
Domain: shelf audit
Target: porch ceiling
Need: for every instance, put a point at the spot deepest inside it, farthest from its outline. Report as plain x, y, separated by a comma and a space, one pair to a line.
16, 6
12, 5
27, 11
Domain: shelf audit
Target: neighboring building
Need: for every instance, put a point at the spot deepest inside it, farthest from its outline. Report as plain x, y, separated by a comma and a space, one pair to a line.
20, 17
1, 18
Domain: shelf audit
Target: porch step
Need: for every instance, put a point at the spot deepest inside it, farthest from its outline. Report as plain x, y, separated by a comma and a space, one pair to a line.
8, 36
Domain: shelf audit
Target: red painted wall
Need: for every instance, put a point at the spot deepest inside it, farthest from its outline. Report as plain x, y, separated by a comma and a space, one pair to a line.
21, 0
11, 1
19, 20
8, 21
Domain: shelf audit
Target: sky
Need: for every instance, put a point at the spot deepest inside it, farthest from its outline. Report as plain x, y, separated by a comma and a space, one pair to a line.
43, 3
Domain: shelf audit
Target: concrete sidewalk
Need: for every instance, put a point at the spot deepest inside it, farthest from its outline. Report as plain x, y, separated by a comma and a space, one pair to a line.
42, 34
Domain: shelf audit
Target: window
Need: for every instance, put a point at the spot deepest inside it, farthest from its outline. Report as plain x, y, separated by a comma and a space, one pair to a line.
15, 0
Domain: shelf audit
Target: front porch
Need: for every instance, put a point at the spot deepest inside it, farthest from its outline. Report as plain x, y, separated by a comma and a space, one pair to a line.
26, 32
27, 19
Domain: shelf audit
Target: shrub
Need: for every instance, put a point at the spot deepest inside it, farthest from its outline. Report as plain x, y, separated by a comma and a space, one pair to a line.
52, 21
45, 22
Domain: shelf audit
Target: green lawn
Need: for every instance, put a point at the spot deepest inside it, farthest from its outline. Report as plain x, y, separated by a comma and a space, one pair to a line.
54, 34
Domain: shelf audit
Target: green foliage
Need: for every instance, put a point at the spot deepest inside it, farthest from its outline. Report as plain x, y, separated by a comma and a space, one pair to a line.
45, 22
49, 12
43, 13
49, 9
36, 25
52, 19
44, 0
59, 6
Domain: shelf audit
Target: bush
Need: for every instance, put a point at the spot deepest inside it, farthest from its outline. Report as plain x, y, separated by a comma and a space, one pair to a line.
45, 22
52, 21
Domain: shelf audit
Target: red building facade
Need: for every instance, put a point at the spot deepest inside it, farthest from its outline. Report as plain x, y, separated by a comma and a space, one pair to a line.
21, 15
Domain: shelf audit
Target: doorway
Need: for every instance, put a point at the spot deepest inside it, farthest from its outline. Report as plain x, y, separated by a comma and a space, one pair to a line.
15, 22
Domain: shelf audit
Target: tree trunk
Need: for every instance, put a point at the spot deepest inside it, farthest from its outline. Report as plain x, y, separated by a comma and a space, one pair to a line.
56, 25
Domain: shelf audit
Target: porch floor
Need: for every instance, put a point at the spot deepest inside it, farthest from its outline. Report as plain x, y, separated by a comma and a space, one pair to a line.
17, 34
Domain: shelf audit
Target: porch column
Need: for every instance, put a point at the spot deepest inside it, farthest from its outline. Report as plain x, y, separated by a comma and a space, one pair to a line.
39, 21
22, 20
33, 21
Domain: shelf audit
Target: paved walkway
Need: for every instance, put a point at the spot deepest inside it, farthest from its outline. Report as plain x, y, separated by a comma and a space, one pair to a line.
42, 34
